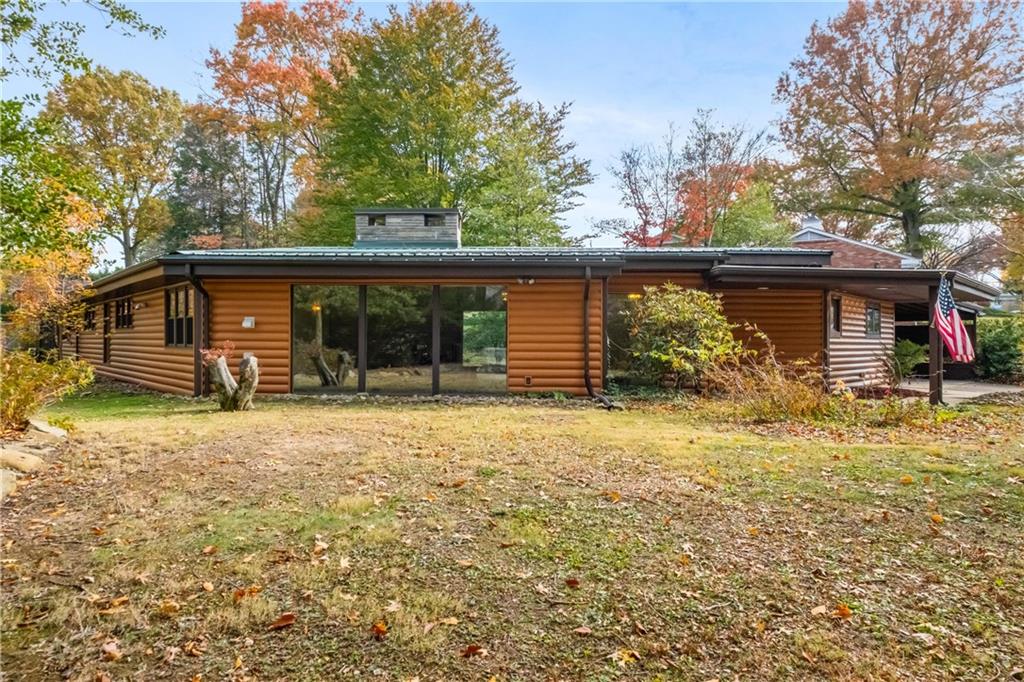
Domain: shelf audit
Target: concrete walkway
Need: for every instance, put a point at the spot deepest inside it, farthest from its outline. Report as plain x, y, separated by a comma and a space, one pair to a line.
957, 390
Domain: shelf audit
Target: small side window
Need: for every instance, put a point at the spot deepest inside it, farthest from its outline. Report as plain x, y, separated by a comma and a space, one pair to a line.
89, 321
178, 304
378, 220
836, 316
123, 313
433, 220
873, 320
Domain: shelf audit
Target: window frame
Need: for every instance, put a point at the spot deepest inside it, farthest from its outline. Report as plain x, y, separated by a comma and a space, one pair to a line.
89, 319
433, 220
835, 314
123, 313
179, 326
377, 221
876, 307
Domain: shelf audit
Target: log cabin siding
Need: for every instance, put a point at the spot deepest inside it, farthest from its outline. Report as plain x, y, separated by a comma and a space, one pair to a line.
545, 336
137, 353
854, 357
634, 282
791, 318
270, 303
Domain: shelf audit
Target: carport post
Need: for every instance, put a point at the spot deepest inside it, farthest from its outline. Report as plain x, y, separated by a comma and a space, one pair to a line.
934, 350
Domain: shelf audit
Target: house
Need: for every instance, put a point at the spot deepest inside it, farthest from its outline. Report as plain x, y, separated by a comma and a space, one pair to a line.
408, 309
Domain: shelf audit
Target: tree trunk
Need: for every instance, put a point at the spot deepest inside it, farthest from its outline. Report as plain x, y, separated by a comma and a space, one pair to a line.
234, 395
327, 377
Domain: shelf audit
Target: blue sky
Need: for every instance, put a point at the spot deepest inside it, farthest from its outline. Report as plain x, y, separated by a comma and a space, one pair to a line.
627, 68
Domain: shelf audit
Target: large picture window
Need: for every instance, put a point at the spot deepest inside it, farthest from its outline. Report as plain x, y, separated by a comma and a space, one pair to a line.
123, 313
325, 326
178, 304
398, 333
473, 339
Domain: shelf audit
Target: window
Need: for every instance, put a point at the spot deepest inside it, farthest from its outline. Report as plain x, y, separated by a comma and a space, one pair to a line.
123, 313
474, 330
873, 320
433, 220
836, 316
89, 323
178, 304
325, 339
378, 220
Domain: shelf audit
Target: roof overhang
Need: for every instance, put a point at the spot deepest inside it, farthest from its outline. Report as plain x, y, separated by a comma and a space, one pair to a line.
880, 283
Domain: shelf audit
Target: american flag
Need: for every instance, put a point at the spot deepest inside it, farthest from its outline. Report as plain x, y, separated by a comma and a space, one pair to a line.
951, 327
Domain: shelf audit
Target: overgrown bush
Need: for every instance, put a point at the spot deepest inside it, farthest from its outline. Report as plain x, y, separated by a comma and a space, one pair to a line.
28, 384
1001, 348
902, 358
766, 389
678, 335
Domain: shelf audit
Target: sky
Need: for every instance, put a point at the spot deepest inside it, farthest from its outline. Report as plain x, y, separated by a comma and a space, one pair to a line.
628, 69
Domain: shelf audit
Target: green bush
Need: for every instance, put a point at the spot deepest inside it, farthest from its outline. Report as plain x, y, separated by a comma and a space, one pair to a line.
28, 384
903, 358
678, 334
1001, 348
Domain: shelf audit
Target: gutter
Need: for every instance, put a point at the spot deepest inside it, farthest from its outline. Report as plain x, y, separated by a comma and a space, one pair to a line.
200, 332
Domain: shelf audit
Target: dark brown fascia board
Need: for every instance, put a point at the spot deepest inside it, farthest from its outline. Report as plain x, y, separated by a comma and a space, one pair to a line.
439, 271
827, 276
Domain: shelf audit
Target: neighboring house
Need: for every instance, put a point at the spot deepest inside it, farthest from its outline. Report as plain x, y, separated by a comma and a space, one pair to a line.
850, 253
407, 309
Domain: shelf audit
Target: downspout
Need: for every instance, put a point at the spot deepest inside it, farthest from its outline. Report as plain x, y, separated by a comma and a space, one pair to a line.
605, 401
201, 340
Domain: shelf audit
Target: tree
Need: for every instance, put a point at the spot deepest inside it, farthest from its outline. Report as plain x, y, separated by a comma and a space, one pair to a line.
533, 180
421, 122
38, 48
210, 198
267, 81
122, 129
680, 192
888, 100
752, 220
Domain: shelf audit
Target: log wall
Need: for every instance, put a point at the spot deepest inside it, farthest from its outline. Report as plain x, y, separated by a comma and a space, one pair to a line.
792, 319
854, 357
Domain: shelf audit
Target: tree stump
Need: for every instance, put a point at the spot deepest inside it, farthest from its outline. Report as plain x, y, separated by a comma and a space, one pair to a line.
234, 395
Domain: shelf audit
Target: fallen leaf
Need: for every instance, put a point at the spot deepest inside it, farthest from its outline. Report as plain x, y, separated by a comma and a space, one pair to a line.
210, 549
111, 650
465, 563
379, 630
572, 583
286, 619
208, 586
393, 606
906, 479
473, 650
753, 531
169, 607
583, 630
684, 560
624, 657
194, 648
612, 496
843, 611
450, 620
819, 610
937, 518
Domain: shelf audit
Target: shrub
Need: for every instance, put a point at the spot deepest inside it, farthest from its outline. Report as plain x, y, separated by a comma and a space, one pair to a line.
678, 334
902, 358
1001, 348
28, 384
766, 389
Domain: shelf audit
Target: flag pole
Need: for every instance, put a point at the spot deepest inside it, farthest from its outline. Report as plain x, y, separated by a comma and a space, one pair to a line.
934, 346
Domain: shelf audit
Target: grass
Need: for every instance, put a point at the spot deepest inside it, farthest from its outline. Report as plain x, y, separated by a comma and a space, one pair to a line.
565, 543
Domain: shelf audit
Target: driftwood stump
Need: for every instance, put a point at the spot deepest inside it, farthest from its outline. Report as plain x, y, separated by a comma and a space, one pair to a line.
234, 395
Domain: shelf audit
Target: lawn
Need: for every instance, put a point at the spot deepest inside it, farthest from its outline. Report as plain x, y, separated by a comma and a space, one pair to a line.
512, 542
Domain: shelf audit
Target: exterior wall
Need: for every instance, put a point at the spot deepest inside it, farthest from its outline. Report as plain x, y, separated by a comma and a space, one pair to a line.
854, 357
137, 353
410, 228
270, 340
545, 339
793, 319
634, 282
847, 255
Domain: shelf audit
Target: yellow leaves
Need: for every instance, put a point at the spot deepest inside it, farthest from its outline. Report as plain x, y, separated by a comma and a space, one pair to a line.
684, 560
753, 531
115, 605
379, 630
194, 648
286, 619
612, 496
210, 550
625, 657
937, 519
168, 607
842, 611
906, 479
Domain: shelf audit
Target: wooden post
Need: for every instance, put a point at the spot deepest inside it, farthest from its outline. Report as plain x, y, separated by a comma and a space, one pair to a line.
934, 350
361, 340
435, 340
